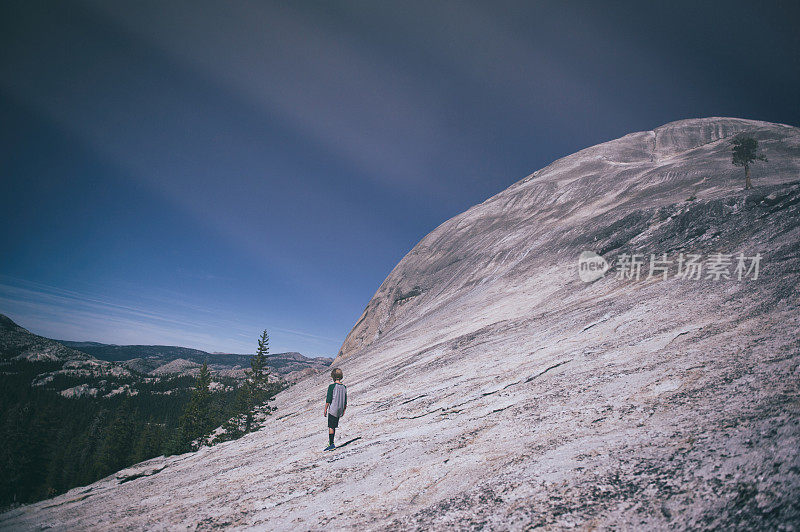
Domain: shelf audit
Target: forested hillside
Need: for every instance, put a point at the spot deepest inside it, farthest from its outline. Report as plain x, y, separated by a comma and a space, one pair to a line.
68, 419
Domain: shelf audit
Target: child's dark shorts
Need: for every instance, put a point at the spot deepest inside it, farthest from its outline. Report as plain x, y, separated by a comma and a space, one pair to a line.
333, 421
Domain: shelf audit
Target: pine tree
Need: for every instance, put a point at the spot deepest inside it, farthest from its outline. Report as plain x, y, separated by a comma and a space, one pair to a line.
251, 395
745, 152
259, 372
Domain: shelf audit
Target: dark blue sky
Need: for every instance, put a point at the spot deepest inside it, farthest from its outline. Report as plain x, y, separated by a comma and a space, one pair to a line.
192, 172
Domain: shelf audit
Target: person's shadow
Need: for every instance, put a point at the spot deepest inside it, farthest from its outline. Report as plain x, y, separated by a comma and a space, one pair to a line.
348, 442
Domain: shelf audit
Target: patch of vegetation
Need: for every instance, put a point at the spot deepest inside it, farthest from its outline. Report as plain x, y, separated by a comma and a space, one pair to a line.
414, 292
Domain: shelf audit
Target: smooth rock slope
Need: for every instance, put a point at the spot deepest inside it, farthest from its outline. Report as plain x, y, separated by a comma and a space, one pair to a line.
490, 386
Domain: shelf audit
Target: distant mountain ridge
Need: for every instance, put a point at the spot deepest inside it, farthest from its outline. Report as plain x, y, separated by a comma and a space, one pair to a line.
149, 355
114, 352
92, 359
59, 368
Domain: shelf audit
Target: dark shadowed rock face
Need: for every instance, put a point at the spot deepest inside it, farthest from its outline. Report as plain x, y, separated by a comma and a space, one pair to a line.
6, 324
491, 387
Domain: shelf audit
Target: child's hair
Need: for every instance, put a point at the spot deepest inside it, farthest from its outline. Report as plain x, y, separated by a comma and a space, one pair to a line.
336, 374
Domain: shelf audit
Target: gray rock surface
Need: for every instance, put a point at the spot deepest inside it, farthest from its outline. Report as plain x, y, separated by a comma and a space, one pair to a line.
490, 387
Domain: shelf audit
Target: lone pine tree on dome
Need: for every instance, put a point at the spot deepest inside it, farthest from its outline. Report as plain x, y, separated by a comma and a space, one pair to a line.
745, 152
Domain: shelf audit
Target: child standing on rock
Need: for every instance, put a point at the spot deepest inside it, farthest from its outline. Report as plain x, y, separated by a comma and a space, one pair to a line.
335, 404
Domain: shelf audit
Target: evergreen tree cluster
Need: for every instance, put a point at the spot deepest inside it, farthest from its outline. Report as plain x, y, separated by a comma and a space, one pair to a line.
49, 443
